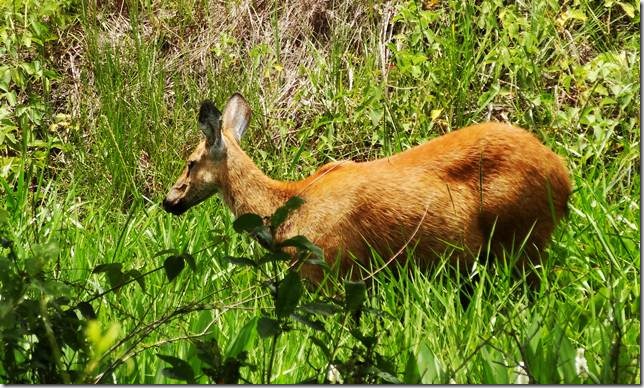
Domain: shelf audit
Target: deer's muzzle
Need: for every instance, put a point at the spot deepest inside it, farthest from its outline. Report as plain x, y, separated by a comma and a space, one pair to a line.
176, 207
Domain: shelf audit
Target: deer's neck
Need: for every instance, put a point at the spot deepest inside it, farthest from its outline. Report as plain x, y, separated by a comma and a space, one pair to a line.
246, 189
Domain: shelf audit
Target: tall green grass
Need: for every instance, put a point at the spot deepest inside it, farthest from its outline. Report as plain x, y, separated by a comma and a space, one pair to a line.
567, 73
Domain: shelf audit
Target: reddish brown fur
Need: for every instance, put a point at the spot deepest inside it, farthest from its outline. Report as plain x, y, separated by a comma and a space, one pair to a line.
454, 189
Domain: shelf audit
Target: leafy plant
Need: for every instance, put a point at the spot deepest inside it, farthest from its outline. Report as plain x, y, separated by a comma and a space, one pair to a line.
26, 78
337, 80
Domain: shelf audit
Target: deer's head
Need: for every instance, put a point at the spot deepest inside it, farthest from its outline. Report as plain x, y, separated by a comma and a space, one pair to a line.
207, 165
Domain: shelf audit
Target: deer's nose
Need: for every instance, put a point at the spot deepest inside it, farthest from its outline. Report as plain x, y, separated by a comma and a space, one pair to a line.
174, 207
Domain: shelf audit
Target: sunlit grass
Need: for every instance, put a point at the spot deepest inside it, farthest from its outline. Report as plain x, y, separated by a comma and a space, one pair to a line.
330, 95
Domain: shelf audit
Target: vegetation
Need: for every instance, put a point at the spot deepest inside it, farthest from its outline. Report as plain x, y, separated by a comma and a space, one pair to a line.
98, 108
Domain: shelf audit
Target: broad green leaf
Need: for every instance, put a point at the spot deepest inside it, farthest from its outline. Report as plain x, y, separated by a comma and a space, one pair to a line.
244, 338
283, 212
173, 266
412, 375
430, 369
136, 275
301, 242
240, 261
385, 376
107, 267
41, 30
190, 260
289, 291
267, 327
247, 223
494, 371
312, 323
566, 355
34, 266
355, 295
271, 257
628, 9
117, 278
115, 275
321, 308
320, 344
87, 310
208, 352
369, 341
180, 369
11, 98
47, 251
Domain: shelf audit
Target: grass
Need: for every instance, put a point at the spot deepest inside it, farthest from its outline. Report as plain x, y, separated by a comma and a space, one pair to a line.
327, 82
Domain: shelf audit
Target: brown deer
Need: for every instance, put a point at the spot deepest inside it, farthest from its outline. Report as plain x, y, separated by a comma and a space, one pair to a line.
485, 186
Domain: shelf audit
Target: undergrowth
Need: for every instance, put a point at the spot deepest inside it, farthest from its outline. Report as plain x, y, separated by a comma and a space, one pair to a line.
98, 103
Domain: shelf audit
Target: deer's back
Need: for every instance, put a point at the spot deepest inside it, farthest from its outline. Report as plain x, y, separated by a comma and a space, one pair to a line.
448, 193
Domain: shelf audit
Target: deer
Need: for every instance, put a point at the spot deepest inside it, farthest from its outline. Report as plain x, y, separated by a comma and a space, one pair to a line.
486, 189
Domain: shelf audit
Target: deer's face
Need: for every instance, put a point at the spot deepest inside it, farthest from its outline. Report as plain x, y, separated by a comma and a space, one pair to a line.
198, 181
201, 177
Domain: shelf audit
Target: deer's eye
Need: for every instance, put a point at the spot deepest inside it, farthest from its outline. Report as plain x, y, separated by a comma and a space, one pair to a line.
191, 164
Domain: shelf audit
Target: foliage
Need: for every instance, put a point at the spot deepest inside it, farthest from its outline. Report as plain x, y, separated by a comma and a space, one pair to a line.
27, 133
98, 285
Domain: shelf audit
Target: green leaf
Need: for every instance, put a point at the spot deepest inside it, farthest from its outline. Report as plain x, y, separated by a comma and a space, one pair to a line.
208, 352
11, 98
355, 295
318, 342
34, 266
628, 9
244, 338
240, 261
190, 260
312, 323
41, 30
47, 251
303, 243
115, 275
107, 267
263, 236
494, 370
87, 310
430, 368
412, 375
368, 341
136, 275
247, 223
318, 262
267, 327
272, 257
116, 278
289, 291
173, 266
165, 252
385, 376
180, 370
321, 308
566, 354
283, 212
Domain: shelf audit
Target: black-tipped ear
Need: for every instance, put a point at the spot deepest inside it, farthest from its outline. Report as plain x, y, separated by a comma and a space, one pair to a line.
210, 122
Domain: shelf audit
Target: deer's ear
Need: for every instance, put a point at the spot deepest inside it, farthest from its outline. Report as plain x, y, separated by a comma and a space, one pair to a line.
236, 116
210, 124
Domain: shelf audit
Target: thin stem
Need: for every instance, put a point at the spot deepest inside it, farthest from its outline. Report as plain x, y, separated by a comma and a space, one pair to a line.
269, 372
121, 285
